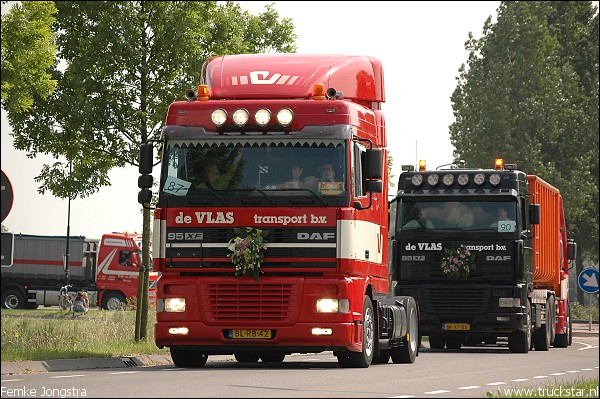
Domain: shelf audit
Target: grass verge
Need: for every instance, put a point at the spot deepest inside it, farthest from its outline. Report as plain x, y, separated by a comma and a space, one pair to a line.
46, 334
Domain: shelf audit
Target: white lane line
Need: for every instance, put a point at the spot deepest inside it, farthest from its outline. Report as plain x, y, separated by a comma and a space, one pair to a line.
540, 376
557, 374
125, 372
572, 371
496, 383
20, 379
470, 387
436, 392
69, 376
520, 380
402, 396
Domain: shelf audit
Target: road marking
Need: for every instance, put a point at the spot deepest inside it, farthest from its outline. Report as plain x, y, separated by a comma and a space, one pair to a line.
20, 379
540, 376
436, 392
520, 380
69, 376
470, 387
557, 374
125, 372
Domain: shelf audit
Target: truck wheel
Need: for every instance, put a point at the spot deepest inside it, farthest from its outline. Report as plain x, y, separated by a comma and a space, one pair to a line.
520, 341
13, 299
272, 357
383, 358
407, 353
363, 358
113, 301
246, 357
188, 358
542, 337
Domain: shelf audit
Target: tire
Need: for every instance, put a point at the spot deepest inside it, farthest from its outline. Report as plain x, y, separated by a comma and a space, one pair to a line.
520, 341
247, 357
383, 358
188, 358
436, 342
407, 353
542, 337
113, 301
272, 357
13, 299
364, 358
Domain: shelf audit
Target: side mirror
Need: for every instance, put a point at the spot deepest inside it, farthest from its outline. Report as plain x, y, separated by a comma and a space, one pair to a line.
534, 213
571, 249
374, 164
374, 186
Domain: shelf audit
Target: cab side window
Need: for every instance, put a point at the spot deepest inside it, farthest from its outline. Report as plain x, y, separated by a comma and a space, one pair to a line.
125, 258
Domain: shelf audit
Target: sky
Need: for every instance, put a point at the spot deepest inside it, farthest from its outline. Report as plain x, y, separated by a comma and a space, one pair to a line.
421, 47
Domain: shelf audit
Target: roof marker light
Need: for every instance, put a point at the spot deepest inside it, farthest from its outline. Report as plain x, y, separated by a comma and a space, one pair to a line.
499, 163
422, 164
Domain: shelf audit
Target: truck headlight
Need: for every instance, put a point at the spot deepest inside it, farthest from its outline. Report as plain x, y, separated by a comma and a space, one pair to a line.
509, 302
333, 305
174, 304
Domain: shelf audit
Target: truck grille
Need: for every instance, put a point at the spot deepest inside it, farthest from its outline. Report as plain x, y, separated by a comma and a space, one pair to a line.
252, 302
455, 300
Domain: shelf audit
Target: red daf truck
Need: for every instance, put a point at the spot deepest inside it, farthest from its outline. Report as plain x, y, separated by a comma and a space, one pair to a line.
509, 230
107, 269
281, 157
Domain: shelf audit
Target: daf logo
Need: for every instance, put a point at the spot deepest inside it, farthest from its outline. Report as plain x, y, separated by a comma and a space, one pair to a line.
315, 236
496, 258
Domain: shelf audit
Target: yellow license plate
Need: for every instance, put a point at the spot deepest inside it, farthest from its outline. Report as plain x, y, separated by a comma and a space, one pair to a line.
456, 326
251, 334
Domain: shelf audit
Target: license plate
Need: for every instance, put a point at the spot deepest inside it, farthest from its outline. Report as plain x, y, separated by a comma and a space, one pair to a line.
251, 334
456, 326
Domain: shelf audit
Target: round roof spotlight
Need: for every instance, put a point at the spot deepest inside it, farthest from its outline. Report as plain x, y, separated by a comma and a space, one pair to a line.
417, 180
433, 179
262, 117
448, 179
495, 179
463, 179
240, 117
219, 117
479, 179
285, 117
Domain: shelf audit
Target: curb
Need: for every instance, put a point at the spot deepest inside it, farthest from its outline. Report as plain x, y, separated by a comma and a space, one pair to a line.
45, 366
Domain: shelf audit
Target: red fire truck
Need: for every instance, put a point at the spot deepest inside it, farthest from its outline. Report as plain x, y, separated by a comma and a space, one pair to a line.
278, 161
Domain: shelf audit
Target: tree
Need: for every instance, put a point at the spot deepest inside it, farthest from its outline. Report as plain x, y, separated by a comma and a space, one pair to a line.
529, 94
119, 65
28, 51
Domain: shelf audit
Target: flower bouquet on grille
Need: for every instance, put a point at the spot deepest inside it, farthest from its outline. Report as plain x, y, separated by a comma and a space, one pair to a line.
458, 262
247, 251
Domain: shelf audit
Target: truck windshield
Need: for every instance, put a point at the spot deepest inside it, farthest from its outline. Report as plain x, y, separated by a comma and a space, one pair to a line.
457, 215
227, 169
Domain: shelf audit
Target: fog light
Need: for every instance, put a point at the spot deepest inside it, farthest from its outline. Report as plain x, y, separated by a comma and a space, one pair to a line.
321, 331
178, 330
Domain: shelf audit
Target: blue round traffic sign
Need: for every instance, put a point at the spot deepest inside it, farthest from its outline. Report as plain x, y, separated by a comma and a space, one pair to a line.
588, 280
